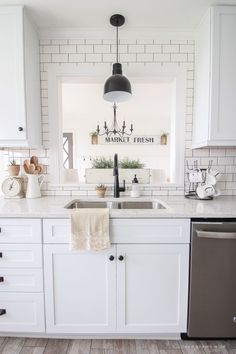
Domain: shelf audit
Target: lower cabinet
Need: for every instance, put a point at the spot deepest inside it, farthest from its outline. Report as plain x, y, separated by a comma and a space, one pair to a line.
131, 288
152, 283
80, 290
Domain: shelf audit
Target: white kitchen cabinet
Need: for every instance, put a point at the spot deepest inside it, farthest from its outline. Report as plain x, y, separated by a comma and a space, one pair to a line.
20, 117
80, 290
21, 312
144, 289
21, 276
215, 79
152, 288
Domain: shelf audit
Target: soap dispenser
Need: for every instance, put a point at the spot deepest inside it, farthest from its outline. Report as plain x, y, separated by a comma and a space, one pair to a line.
135, 191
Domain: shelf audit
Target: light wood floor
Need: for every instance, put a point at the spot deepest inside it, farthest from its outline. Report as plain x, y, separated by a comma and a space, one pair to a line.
86, 346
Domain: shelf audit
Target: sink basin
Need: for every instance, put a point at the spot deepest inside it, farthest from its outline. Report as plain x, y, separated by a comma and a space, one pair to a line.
141, 205
76, 204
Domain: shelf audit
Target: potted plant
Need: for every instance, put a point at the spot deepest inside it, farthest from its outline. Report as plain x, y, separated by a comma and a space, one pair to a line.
102, 171
94, 138
13, 168
101, 190
126, 163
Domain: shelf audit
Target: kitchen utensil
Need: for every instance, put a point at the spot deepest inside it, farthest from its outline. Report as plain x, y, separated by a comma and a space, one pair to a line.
34, 184
34, 160
31, 168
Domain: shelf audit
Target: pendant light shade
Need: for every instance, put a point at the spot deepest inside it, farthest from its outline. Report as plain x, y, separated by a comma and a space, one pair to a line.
117, 87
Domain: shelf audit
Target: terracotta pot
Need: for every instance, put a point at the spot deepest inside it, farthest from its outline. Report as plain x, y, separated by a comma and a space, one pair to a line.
101, 192
13, 170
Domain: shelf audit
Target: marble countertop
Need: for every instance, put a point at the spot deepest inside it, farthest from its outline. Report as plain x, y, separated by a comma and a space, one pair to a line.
177, 207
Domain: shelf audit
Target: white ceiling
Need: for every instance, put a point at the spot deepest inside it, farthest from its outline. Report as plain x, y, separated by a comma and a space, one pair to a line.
179, 14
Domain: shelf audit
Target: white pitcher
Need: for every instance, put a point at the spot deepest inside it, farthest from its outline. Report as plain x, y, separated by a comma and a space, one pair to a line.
34, 184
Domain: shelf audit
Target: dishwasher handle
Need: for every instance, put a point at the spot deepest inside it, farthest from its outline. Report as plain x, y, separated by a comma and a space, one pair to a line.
216, 235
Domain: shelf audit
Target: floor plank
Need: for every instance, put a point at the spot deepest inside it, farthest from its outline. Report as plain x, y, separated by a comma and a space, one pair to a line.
36, 342
79, 346
168, 344
32, 350
191, 347
13, 346
107, 346
57, 346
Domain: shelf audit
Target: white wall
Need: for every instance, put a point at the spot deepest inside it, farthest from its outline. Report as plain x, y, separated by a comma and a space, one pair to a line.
149, 111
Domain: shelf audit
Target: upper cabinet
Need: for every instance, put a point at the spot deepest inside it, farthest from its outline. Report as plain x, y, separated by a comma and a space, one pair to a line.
20, 117
215, 79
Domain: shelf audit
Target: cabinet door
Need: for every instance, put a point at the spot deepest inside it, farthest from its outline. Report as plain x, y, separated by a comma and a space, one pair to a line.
152, 288
12, 100
223, 86
80, 290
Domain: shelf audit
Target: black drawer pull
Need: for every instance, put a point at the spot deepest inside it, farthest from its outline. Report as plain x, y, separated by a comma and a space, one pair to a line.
1, 279
20, 129
111, 258
0, 254
2, 312
121, 258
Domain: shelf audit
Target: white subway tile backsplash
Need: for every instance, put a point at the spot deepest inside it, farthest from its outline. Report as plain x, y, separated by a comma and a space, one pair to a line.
103, 48
94, 58
60, 58
136, 48
50, 49
70, 48
173, 48
144, 51
84, 48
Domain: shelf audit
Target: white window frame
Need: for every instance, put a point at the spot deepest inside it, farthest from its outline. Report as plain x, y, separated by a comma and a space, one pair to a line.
59, 73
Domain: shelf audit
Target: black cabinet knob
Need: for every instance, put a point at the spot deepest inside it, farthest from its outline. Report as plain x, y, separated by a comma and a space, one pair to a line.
1, 279
2, 312
20, 129
0, 254
111, 258
121, 258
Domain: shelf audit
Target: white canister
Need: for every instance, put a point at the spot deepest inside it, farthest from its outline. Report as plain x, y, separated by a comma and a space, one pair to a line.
34, 184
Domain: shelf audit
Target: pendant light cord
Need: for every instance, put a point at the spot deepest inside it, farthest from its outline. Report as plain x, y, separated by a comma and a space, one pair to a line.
117, 45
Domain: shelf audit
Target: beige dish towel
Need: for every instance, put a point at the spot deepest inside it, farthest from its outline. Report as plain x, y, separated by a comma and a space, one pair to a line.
89, 229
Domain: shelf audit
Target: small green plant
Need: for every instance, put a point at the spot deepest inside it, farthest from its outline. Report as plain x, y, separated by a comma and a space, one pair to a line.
13, 163
127, 163
102, 162
93, 133
101, 186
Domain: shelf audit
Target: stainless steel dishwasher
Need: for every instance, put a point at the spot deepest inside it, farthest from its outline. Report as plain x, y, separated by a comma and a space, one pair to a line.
212, 296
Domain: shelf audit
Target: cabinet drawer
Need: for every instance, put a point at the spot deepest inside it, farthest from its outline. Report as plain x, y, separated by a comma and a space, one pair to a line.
20, 256
150, 230
25, 280
127, 230
20, 231
23, 312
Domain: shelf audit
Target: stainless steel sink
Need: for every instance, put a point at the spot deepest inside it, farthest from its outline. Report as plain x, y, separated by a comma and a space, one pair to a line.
76, 204
141, 205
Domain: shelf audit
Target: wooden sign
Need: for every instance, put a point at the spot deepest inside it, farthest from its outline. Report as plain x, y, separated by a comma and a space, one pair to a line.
130, 140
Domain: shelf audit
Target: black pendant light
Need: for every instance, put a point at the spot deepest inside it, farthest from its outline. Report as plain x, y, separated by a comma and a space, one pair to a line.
117, 87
